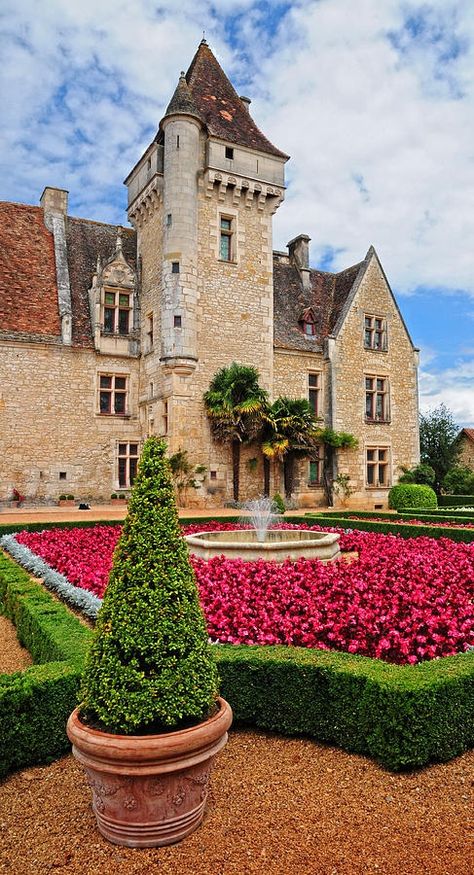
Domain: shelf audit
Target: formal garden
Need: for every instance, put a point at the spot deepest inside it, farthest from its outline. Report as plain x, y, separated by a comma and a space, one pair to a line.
372, 654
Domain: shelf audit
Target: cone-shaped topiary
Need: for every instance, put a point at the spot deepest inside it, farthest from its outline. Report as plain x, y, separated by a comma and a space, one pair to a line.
150, 667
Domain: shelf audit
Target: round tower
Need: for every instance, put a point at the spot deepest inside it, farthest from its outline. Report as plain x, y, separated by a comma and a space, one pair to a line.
181, 128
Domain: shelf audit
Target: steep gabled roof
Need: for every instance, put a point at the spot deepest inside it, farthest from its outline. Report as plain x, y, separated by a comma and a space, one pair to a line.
326, 298
28, 290
467, 432
219, 104
29, 307
87, 240
349, 298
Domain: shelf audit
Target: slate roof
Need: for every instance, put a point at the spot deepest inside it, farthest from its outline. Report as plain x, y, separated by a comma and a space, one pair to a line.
28, 294
219, 104
29, 299
326, 298
183, 101
28, 290
85, 241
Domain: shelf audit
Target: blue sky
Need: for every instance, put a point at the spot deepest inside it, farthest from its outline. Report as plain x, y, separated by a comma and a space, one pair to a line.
373, 100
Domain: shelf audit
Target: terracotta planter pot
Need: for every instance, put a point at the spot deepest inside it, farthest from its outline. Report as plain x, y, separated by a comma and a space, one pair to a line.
149, 790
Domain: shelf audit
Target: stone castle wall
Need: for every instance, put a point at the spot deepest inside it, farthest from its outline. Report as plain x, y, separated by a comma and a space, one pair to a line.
351, 364
466, 456
50, 423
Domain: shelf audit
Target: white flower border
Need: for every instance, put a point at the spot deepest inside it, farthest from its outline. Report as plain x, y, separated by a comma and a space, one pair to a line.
79, 598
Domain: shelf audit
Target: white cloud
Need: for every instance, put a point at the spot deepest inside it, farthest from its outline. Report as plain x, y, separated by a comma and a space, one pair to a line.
351, 106
453, 387
374, 101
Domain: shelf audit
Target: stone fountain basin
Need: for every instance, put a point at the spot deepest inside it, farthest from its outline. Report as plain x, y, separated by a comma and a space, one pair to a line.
279, 544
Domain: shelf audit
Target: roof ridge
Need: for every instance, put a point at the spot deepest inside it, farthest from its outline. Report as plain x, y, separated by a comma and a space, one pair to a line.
24, 206
357, 265
105, 224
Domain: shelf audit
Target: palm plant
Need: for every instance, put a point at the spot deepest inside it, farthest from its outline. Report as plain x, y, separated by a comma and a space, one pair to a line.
235, 404
290, 431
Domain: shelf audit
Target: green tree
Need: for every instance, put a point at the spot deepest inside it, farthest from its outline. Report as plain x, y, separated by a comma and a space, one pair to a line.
423, 474
459, 481
150, 666
235, 404
290, 431
438, 445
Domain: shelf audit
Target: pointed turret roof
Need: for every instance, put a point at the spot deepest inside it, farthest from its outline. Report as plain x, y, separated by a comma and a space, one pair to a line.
216, 101
182, 102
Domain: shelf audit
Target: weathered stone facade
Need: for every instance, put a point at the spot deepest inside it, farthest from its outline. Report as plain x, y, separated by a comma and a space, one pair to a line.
137, 324
466, 443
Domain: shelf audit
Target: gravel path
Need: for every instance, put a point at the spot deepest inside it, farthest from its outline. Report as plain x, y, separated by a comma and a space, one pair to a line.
277, 807
13, 657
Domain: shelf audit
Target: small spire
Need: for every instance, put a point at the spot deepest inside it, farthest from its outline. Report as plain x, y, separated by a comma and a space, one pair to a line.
98, 265
203, 41
118, 244
182, 101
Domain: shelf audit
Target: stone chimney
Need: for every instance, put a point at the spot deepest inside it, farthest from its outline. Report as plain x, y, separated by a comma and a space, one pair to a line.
54, 203
246, 102
54, 200
298, 249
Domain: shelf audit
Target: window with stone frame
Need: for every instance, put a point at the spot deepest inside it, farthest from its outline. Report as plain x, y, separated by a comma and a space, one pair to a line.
377, 399
113, 394
117, 312
127, 464
314, 392
375, 332
149, 332
377, 469
227, 238
165, 418
315, 467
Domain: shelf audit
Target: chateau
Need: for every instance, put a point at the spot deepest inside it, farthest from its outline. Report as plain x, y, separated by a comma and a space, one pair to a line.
110, 334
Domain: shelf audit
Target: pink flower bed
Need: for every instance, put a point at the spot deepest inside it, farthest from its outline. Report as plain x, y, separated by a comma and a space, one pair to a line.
399, 600
409, 522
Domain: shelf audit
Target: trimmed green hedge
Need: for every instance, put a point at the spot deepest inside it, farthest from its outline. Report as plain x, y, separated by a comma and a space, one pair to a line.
465, 536
10, 528
402, 716
35, 703
431, 516
456, 500
411, 495
455, 513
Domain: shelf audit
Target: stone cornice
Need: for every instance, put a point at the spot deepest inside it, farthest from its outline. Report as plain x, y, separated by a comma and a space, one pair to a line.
266, 194
147, 201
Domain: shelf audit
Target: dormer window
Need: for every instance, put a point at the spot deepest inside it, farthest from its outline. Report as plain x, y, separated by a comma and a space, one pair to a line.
307, 322
117, 312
